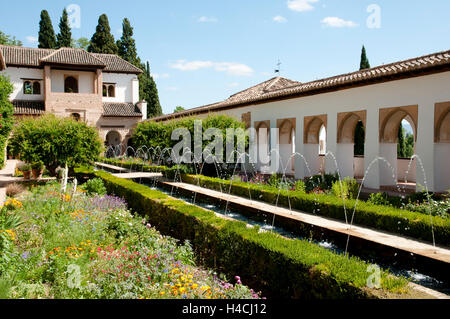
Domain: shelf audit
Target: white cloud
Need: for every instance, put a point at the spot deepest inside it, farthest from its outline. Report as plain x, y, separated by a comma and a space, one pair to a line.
207, 19
231, 68
31, 39
280, 19
160, 76
335, 22
301, 5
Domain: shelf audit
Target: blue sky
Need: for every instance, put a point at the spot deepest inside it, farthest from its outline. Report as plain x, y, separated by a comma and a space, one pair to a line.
202, 51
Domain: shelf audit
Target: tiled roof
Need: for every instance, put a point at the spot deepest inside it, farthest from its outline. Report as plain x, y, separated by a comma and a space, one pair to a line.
28, 107
116, 64
31, 57
281, 88
2, 62
73, 57
121, 110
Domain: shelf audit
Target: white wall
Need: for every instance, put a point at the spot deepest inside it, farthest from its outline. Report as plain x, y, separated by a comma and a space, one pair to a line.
441, 166
126, 91
424, 91
85, 81
17, 74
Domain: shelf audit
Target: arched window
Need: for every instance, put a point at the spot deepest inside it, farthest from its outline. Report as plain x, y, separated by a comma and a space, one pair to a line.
105, 91
76, 116
27, 87
111, 91
36, 88
71, 85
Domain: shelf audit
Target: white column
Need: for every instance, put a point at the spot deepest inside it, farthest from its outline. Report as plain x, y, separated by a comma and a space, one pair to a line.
371, 150
299, 148
388, 164
274, 147
425, 147
311, 153
330, 162
345, 159
441, 167
135, 90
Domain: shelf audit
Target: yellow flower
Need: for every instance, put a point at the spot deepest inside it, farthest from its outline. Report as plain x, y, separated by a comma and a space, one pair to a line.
162, 293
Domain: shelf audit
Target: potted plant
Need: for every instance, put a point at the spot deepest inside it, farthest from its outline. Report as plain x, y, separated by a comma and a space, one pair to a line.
26, 170
37, 169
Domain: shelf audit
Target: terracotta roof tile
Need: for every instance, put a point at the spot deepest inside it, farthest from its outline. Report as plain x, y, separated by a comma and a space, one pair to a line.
28, 107
73, 57
116, 64
32, 57
121, 110
290, 89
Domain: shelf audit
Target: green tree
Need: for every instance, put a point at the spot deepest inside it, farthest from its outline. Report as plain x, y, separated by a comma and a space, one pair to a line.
64, 37
56, 141
178, 109
127, 45
9, 40
81, 43
360, 136
6, 114
364, 60
401, 144
149, 92
103, 41
47, 38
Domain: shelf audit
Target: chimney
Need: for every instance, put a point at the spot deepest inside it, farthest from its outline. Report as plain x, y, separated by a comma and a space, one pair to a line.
142, 105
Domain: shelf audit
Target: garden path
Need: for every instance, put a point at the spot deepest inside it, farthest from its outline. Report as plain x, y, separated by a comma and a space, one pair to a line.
6, 178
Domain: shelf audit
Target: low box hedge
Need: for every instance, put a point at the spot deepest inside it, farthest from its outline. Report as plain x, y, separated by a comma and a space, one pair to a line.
282, 267
383, 218
134, 166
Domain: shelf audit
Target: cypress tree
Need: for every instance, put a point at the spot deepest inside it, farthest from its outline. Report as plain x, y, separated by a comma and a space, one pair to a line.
47, 38
359, 139
103, 41
401, 144
364, 60
149, 92
127, 45
64, 36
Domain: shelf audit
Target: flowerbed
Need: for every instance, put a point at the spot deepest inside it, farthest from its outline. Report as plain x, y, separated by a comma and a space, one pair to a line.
55, 245
287, 268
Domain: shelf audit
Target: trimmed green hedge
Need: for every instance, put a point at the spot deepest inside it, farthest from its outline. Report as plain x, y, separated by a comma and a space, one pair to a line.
134, 166
286, 268
384, 218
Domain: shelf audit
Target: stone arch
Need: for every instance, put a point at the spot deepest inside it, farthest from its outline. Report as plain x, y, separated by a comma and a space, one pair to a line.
347, 123
113, 138
391, 118
312, 127
263, 144
442, 123
70, 85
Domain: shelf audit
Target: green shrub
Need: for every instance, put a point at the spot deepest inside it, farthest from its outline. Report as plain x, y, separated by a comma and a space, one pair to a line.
94, 186
24, 167
300, 186
56, 142
348, 188
324, 182
6, 115
37, 165
288, 268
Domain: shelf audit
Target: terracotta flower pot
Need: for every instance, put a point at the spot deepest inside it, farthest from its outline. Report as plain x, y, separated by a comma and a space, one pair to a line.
27, 174
37, 173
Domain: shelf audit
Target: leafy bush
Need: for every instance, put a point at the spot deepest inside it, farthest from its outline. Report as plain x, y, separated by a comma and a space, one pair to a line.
56, 142
24, 167
6, 115
288, 268
323, 182
37, 165
300, 186
175, 171
94, 186
348, 188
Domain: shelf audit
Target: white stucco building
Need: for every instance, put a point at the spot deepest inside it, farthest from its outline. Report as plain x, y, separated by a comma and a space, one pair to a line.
417, 90
101, 89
